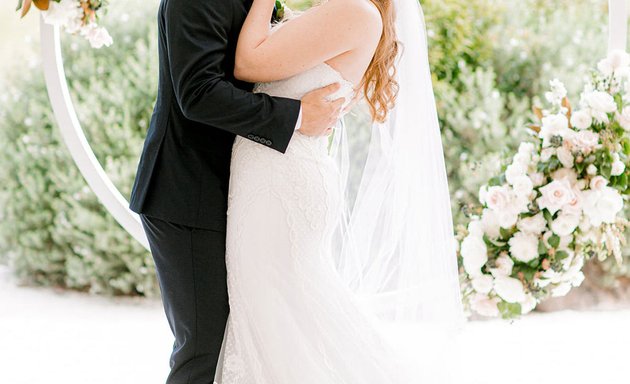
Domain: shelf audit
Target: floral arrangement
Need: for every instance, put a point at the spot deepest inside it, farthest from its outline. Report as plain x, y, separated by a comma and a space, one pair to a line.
557, 203
74, 16
281, 12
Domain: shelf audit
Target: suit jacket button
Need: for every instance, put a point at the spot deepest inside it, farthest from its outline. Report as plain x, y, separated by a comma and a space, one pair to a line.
250, 136
268, 142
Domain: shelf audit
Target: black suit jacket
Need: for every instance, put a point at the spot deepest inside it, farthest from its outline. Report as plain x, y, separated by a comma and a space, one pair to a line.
184, 169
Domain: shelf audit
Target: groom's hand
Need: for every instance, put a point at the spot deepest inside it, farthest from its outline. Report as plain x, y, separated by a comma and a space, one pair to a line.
319, 115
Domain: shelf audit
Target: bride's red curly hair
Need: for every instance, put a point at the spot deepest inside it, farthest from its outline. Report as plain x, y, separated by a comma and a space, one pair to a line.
379, 81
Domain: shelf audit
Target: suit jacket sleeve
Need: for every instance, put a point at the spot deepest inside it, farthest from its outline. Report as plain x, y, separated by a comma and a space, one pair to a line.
197, 34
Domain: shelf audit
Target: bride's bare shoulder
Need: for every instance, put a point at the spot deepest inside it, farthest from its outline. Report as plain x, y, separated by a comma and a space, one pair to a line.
356, 12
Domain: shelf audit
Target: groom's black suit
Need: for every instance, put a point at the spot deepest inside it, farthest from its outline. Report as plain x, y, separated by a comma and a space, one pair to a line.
182, 181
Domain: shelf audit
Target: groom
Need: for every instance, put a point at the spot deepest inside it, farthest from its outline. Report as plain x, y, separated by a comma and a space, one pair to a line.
181, 186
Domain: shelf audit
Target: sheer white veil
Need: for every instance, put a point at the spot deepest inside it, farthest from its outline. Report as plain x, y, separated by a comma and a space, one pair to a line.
395, 247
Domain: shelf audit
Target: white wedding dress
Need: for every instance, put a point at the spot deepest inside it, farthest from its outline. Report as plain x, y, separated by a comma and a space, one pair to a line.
329, 289
292, 319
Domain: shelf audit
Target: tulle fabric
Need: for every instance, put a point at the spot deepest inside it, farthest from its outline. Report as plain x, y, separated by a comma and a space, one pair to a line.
326, 288
395, 247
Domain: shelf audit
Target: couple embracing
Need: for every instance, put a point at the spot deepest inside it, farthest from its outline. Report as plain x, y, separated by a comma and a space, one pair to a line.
274, 268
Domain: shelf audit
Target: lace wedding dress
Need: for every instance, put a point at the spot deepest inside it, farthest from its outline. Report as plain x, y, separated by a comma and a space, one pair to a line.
292, 318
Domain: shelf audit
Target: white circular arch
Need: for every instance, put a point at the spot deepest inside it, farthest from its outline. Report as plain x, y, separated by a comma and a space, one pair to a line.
618, 24
75, 139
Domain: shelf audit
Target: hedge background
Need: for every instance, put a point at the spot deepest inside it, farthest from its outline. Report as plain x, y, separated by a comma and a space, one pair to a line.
491, 60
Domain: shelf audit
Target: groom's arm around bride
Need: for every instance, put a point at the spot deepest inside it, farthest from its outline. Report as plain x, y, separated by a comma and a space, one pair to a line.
182, 182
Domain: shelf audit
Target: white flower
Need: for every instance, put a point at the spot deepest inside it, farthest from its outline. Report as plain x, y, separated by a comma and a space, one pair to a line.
591, 169
574, 207
66, 13
577, 279
97, 36
546, 154
585, 224
505, 203
524, 246
522, 159
504, 265
482, 283
599, 102
581, 120
484, 305
598, 183
602, 205
526, 148
523, 186
554, 125
624, 118
561, 290
509, 289
514, 171
475, 228
538, 178
557, 93
498, 198
565, 224
474, 254
566, 173
528, 304
507, 219
616, 61
565, 156
490, 223
555, 195
535, 224
618, 167
585, 141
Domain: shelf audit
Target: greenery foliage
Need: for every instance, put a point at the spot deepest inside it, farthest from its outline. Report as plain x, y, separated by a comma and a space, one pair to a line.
53, 229
491, 59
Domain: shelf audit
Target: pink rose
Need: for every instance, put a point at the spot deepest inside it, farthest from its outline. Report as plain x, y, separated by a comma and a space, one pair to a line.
555, 195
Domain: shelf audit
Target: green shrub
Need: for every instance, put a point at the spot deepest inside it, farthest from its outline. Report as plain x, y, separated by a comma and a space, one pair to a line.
53, 229
490, 60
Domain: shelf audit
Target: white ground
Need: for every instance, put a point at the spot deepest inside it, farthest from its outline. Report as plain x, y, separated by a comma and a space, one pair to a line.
70, 338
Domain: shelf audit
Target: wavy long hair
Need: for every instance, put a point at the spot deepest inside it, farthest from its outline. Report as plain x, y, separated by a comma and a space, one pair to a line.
379, 84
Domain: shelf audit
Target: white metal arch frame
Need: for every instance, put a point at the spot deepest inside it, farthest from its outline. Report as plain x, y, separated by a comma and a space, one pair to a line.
91, 169
618, 24
75, 139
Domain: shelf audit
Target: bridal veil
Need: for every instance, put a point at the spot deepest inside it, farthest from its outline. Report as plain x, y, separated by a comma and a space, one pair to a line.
395, 246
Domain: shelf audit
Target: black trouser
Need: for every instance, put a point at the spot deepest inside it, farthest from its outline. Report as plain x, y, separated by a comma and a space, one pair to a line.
190, 265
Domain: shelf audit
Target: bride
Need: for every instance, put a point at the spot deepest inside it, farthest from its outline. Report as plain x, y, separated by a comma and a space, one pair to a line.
325, 285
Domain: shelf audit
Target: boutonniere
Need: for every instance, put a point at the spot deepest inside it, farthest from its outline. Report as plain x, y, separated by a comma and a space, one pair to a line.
281, 12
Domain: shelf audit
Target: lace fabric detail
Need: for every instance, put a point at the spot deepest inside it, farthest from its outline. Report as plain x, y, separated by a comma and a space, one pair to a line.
292, 319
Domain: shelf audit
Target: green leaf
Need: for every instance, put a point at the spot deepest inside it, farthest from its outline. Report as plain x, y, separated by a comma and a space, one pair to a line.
554, 240
561, 255
542, 249
497, 180
509, 310
606, 170
619, 101
554, 164
548, 216
580, 166
19, 6
534, 263
505, 233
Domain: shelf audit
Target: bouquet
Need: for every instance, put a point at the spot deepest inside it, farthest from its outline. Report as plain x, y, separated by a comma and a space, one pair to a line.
74, 16
557, 203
